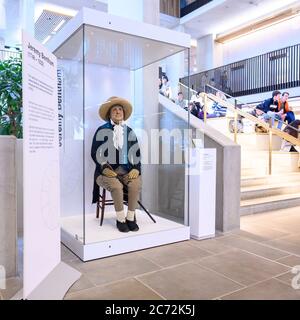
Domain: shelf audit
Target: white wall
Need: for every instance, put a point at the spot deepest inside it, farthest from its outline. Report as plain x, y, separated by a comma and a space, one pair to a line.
275, 37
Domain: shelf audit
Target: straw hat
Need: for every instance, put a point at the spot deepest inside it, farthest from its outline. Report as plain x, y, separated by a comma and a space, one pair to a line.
112, 101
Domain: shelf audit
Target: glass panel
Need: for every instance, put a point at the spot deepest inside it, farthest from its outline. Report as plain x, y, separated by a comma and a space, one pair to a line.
71, 134
165, 128
97, 64
128, 67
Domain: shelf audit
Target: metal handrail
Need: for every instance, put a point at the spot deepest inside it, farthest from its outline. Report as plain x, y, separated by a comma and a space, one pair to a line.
6, 54
250, 117
276, 70
244, 105
272, 131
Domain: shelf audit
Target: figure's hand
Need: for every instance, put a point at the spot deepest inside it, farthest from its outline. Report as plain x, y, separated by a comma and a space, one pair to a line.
133, 174
109, 173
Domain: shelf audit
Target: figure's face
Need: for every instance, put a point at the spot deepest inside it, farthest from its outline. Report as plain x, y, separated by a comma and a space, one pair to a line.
117, 114
276, 98
285, 97
180, 97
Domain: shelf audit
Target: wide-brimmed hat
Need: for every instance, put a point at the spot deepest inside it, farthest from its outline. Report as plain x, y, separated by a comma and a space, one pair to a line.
113, 101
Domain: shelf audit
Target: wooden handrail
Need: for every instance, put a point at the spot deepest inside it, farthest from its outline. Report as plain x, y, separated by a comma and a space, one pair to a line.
250, 117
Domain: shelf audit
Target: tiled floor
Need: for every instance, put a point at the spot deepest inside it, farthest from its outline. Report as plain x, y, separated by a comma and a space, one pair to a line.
255, 262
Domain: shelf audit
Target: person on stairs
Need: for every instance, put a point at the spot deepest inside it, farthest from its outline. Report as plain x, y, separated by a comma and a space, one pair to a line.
271, 110
116, 153
288, 114
293, 130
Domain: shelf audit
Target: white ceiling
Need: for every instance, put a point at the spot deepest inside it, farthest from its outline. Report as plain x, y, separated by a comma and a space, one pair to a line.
11, 18
216, 17
223, 15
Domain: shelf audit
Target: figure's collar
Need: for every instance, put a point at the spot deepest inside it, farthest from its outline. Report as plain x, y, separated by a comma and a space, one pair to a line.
122, 123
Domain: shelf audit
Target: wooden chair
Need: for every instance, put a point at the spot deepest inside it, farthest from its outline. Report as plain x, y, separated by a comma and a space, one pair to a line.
102, 202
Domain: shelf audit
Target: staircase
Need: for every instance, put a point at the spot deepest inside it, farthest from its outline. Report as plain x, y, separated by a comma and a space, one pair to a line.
261, 192
268, 193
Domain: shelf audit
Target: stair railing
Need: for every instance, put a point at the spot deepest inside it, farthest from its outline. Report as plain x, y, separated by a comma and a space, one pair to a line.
240, 113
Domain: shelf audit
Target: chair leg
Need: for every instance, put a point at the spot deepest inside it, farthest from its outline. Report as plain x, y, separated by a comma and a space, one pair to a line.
148, 213
103, 206
97, 209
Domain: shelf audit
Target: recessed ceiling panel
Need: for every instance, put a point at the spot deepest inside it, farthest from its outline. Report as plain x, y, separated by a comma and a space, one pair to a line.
49, 23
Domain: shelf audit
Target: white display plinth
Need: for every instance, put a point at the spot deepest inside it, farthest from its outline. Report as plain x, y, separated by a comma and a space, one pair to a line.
202, 193
106, 240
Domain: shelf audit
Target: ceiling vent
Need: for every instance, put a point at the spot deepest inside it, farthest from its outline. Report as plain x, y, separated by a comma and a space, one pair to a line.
48, 24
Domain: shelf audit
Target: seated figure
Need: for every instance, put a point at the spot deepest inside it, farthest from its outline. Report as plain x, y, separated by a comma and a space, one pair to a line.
116, 153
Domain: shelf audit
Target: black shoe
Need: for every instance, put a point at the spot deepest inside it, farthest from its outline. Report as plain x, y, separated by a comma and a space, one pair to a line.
122, 226
132, 225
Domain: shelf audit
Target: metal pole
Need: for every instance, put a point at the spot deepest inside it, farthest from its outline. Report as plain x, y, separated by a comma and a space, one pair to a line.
270, 151
205, 108
235, 126
235, 122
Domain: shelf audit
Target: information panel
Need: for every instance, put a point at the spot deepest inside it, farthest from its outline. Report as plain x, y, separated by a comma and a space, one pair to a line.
41, 164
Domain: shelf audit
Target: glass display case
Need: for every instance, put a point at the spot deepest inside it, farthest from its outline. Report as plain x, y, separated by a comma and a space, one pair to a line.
100, 56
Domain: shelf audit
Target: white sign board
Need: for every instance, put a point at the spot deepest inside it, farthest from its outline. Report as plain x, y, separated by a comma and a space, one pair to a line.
41, 164
202, 193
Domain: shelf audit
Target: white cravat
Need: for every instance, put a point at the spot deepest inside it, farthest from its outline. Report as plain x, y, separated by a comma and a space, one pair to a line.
118, 137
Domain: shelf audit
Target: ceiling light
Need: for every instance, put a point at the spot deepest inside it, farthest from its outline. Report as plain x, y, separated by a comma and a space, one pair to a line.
59, 25
46, 39
258, 25
194, 43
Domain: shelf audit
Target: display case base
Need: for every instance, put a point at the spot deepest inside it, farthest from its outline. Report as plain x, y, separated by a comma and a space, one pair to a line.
106, 240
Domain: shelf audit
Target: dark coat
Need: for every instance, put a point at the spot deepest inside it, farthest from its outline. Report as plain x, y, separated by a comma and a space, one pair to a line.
267, 104
103, 151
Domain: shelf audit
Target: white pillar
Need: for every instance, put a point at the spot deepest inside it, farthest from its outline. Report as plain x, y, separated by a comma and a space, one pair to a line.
132, 9
209, 53
27, 15
141, 10
2, 15
175, 67
2, 43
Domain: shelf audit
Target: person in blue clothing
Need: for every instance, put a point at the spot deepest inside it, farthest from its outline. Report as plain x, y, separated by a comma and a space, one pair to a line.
271, 109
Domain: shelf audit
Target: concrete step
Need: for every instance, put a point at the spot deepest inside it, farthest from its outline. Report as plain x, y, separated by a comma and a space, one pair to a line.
270, 179
255, 192
257, 162
258, 142
271, 203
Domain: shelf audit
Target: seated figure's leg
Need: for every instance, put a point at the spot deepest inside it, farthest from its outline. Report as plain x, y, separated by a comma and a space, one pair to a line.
280, 122
115, 187
271, 115
290, 117
134, 188
266, 117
